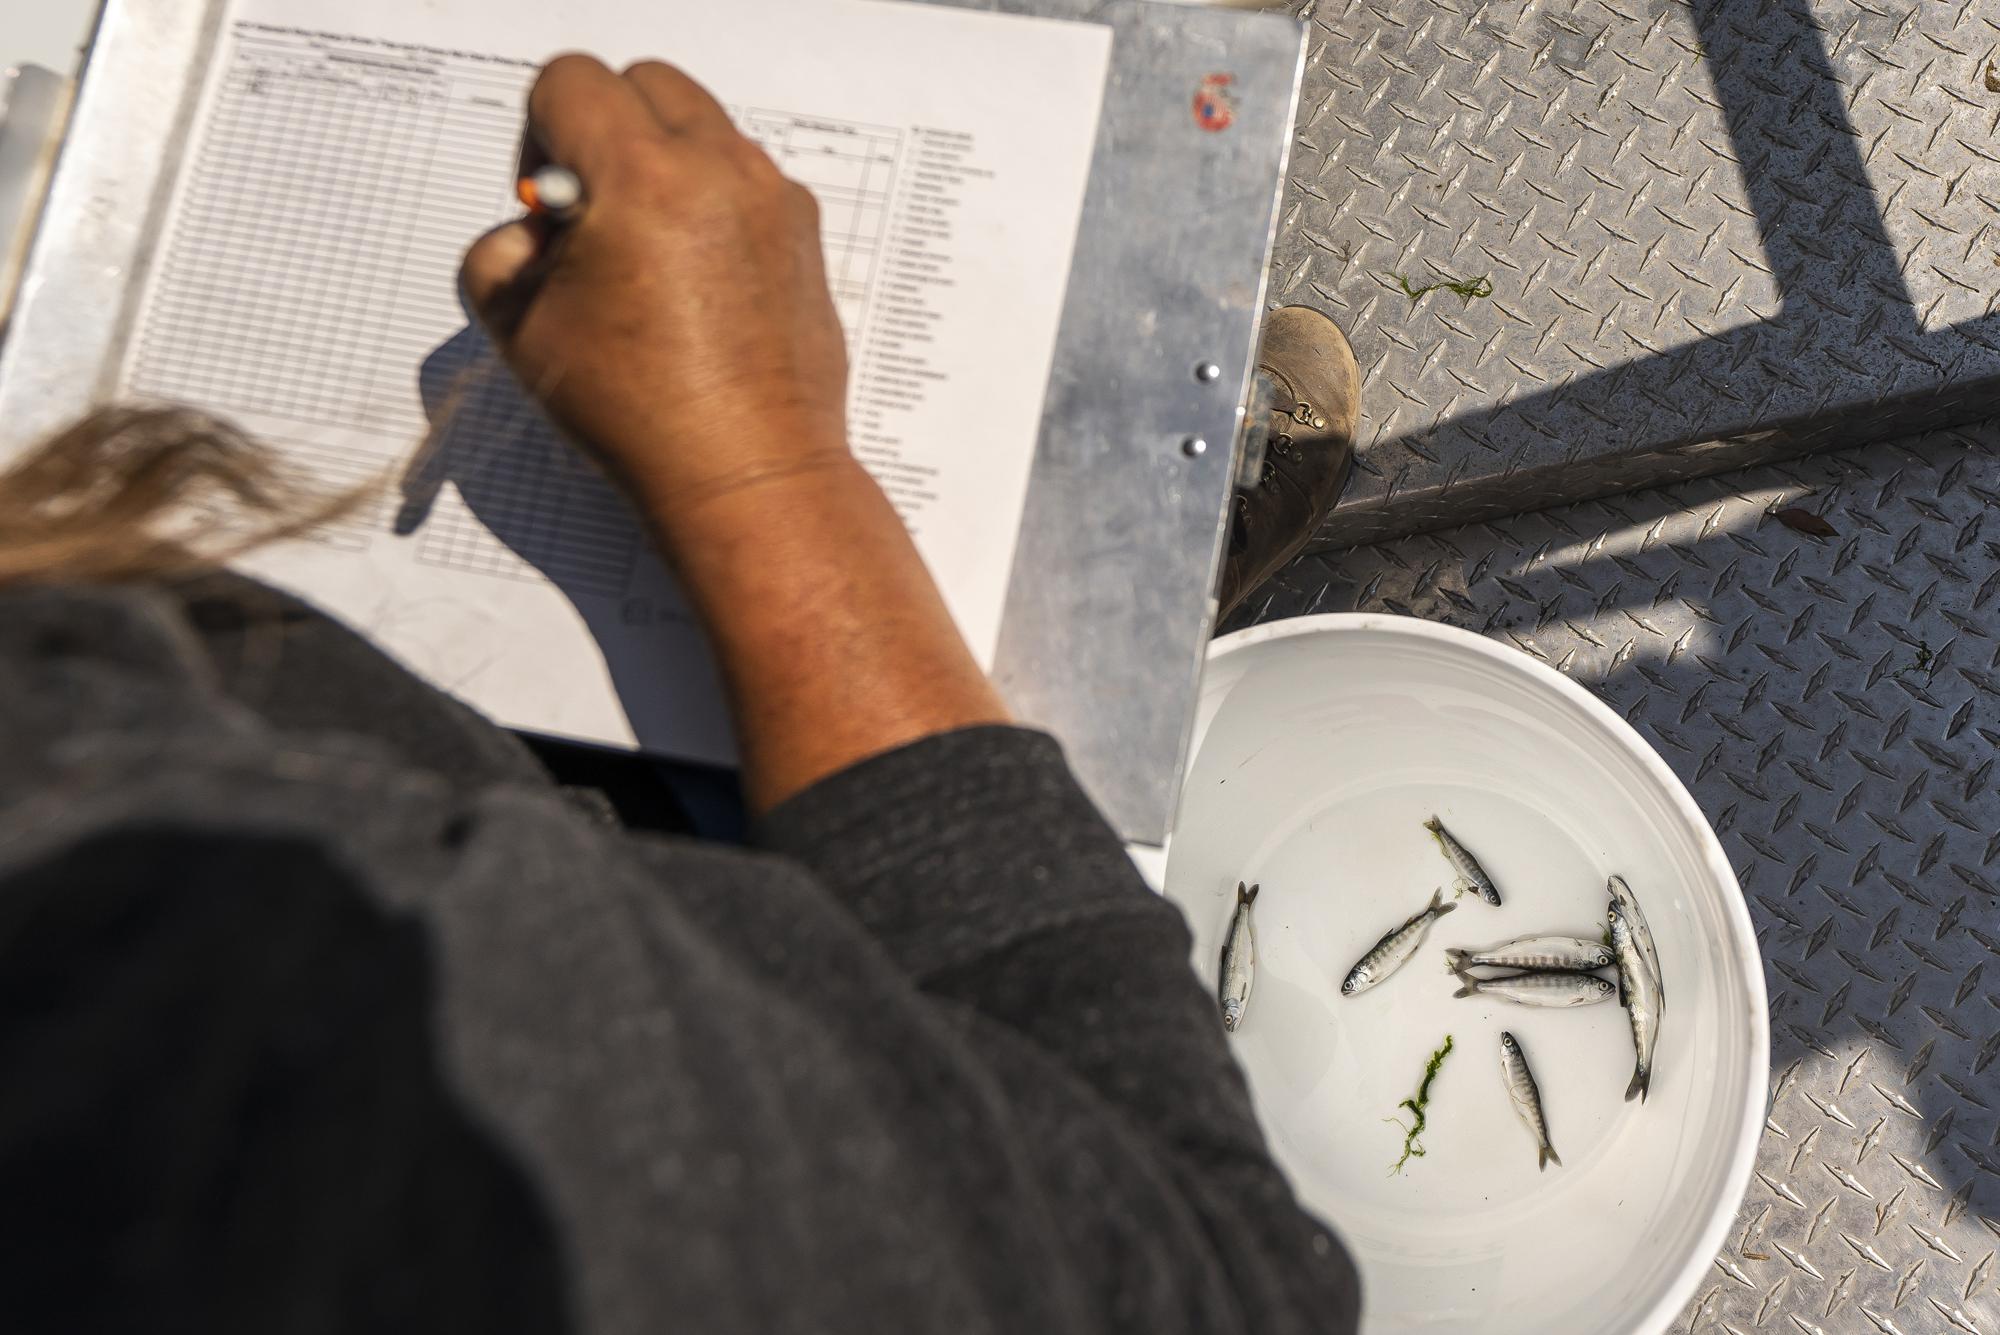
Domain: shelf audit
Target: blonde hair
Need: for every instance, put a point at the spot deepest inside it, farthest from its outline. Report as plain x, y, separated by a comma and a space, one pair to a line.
133, 493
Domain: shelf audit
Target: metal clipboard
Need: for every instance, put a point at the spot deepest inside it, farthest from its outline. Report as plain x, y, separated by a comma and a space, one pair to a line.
1110, 602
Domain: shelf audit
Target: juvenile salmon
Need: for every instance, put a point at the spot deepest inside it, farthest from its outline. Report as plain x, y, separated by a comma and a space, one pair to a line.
1642, 936
1535, 952
1527, 1097
1239, 960
1540, 989
1461, 860
1642, 1000
1393, 951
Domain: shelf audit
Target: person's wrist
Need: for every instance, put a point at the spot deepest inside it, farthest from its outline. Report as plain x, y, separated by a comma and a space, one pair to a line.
674, 470
759, 509
678, 500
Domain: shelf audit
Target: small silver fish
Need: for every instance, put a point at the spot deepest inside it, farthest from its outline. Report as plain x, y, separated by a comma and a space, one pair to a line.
1527, 1097
1642, 1000
1239, 960
1535, 952
1393, 951
1642, 935
1540, 988
1467, 866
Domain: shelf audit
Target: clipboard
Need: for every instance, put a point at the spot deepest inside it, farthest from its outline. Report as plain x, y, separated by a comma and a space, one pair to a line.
1110, 601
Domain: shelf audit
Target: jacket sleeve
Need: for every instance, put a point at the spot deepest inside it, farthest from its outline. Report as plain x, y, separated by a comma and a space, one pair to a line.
984, 870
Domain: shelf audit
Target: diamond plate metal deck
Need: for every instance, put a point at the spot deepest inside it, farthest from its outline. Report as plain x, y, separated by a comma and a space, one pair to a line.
1834, 704
1717, 231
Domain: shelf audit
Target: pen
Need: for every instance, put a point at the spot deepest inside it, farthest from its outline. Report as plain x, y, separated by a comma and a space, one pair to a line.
554, 192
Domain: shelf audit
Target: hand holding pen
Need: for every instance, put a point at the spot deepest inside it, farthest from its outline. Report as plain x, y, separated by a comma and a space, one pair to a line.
667, 303
682, 330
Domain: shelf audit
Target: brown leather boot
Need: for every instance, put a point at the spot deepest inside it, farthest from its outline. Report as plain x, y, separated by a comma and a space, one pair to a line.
1316, 403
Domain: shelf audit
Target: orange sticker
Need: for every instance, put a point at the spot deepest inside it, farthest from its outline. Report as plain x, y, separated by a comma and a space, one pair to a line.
1214, 109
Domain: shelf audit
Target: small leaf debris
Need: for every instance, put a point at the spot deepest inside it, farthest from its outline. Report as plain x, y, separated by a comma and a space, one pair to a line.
1411, 1148
1926, 662
1464, 288
1805, 521
1992, 78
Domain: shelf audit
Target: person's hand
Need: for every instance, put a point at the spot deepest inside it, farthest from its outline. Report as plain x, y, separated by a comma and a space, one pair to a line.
681, 327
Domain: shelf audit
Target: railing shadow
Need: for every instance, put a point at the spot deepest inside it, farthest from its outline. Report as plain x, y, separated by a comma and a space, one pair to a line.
1842, 293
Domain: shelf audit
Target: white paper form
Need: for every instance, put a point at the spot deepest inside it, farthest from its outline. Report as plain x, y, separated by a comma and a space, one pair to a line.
344, 155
